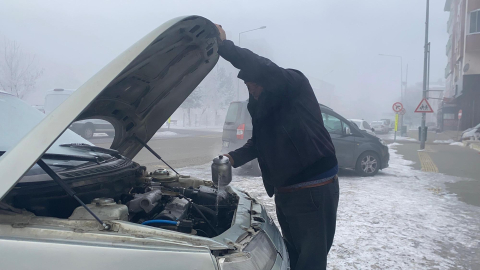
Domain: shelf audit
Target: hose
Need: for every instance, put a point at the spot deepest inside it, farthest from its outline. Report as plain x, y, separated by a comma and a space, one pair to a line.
160, 221
195, 206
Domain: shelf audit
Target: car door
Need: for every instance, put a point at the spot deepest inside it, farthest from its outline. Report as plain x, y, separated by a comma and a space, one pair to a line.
344, 143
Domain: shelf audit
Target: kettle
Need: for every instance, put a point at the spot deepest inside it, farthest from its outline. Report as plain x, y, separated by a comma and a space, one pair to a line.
221, 171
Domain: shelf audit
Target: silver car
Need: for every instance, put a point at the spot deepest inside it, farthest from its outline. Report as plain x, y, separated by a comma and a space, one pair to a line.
67, 204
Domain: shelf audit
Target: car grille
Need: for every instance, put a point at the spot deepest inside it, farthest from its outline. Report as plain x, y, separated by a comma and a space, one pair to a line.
99, 169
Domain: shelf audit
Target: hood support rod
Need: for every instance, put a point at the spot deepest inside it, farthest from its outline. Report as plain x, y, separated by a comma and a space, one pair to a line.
69, 190
153, 152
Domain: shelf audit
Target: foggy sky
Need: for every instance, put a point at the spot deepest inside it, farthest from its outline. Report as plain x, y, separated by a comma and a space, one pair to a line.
336, 41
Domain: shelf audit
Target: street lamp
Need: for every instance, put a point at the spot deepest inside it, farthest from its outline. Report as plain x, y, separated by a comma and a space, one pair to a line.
239, 36
401, 86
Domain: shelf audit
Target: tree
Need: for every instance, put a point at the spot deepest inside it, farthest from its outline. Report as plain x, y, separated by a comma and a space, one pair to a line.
18, 71
193, 101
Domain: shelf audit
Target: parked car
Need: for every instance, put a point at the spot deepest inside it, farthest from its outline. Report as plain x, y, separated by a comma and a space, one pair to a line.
388, 123
363, 125
380, 127
86, 128
355, 149
471, 133
157, 220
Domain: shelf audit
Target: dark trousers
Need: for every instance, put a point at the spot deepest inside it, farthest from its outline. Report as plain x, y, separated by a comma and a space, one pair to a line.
308, 218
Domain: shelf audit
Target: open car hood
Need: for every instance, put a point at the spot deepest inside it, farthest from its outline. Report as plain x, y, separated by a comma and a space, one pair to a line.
136, 93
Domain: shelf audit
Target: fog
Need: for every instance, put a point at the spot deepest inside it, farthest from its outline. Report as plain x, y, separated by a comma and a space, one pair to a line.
334, 41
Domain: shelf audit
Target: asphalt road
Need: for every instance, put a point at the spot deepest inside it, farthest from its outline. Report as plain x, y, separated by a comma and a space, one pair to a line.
185, 148
450, 160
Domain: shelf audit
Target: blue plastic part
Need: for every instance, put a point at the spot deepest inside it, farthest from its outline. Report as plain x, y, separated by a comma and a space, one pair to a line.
160, 221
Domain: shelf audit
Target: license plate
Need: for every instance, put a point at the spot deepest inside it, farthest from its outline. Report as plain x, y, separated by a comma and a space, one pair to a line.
226, 144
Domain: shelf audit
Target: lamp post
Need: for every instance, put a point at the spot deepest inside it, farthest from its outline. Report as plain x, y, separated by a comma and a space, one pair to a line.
401, 84
239, 43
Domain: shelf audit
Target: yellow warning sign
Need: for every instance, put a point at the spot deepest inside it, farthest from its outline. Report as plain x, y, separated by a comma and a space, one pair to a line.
396, 122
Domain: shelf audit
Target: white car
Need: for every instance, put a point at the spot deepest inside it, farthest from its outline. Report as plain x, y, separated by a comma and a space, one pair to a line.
472, 133
67, 204
380, 127
363, 125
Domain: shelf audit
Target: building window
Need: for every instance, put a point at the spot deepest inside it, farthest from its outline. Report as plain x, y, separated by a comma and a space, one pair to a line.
475, 21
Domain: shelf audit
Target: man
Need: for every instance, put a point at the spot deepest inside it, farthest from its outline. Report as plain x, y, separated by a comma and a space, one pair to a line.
295, 153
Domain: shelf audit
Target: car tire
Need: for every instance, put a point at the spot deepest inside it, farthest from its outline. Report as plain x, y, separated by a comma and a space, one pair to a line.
88, 131
368, 164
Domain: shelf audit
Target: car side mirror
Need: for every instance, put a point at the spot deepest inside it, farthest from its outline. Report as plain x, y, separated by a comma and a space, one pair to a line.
373, 129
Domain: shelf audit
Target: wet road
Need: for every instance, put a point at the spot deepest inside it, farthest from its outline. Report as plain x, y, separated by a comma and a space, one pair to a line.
178, 147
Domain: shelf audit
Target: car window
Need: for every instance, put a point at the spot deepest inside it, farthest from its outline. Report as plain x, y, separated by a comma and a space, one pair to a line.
366, 125
232, 113
332, 124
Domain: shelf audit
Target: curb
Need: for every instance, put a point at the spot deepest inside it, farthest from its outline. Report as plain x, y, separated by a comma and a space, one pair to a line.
475, 145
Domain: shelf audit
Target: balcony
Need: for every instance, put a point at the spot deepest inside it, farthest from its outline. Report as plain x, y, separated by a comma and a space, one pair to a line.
449, 46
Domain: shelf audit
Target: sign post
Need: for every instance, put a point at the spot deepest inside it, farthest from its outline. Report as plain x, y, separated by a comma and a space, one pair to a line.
424, 107
397, 107
458, 122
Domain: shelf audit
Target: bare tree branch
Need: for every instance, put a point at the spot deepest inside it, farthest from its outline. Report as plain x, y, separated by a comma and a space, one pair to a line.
18, 70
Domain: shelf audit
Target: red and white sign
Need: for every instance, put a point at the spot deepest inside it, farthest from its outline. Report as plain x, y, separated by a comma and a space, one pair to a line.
397, 107
459, 114
424, 107
402, 112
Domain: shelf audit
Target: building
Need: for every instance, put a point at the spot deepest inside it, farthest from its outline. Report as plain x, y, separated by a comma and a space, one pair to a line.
462, 73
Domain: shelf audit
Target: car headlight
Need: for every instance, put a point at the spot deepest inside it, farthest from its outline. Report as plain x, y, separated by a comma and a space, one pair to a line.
382, 142
260, 253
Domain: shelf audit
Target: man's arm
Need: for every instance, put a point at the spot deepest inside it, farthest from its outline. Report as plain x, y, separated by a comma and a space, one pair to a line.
276, 77
243, 154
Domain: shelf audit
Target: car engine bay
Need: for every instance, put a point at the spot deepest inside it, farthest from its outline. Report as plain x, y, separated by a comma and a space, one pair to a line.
160, 199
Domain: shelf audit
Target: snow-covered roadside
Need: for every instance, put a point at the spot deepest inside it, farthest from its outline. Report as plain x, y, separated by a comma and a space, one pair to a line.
163, 134
400, 219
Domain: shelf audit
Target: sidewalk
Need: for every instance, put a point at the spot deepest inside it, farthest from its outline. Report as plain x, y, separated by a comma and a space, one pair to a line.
444, 155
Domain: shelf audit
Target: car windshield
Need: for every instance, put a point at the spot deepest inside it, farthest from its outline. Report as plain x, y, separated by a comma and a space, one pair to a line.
17, 118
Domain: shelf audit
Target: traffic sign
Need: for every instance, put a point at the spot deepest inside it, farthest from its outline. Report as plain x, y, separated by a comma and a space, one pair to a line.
403, 111
459, 114
397, 107
424, 107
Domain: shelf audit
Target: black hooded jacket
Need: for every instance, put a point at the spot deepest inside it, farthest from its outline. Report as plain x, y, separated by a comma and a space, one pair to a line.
289, 138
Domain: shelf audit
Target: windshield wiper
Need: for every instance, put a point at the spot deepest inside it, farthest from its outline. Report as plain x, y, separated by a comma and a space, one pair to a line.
92, 148
67, 157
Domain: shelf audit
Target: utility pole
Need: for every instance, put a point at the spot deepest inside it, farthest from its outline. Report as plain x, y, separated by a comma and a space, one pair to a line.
425, 75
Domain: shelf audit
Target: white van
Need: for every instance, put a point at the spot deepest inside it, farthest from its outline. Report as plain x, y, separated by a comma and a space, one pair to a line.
85, 128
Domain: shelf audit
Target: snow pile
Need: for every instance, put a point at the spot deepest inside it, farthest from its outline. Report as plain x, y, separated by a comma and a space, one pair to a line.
400, 219
165, 134
457, 143
444, 141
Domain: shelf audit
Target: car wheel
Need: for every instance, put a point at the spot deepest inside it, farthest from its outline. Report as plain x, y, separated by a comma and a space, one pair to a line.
368, 164
88, 132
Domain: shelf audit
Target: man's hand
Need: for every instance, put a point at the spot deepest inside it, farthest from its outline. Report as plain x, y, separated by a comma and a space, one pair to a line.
229, 157
223, 36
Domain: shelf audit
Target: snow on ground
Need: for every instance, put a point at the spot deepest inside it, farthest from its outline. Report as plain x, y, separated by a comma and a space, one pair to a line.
457, 144
164, 134
444, 141
400, 219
